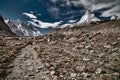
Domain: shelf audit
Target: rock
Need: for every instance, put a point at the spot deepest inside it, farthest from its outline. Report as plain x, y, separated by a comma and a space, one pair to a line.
30, 68
33, 43
118, 38
52, 72
80, 68
95, 61
115, 54
101, 63
28, 64
114, 43
74, 49
107, 46
79, 47
9, 38
39, 69
61, 76
26, 77
49, 40
73, 75
41, 40
85, 59
46, 72
47, 65
72, 39
91, 68
3, 59
116, 74
85, 75
84, 51
88, 47
107, 77
101, 55
54, 78
53, 42
20, 38
109, 66
98, 71
92, 51
11, 65
2, 43
2, 72
115, 49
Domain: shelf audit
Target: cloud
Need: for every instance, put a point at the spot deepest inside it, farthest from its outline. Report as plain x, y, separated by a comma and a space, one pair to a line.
42, 24
31, 12
113, 11
72, 21
53, 1
94, 4
39, 14
63, 2
95, 7
30, 15
113, 6
54, 11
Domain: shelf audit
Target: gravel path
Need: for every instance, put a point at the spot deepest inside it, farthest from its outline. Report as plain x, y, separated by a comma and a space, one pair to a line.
27, 66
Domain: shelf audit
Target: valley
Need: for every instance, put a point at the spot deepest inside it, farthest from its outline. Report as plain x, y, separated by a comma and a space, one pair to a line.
90, 52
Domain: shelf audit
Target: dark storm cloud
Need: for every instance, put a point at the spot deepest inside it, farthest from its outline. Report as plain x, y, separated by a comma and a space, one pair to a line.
112, 6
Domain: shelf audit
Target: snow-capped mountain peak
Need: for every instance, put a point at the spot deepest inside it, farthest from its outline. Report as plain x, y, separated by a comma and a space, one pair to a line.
88, 17
22, 29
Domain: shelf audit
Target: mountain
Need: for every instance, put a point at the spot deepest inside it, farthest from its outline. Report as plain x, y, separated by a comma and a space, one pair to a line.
114, 17
92, 51
4, 28
22, 29
88, 17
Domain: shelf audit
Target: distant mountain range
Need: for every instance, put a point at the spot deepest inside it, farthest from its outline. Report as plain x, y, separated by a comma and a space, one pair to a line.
22, 29
36, 27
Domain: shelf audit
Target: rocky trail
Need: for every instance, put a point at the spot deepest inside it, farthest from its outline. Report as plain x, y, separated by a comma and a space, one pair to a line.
27, 66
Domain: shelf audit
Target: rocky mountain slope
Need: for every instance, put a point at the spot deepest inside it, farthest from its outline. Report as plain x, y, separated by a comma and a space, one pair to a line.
90, 52
4, 29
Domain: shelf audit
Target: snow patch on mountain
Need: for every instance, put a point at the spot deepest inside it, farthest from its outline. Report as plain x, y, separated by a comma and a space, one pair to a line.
72, 21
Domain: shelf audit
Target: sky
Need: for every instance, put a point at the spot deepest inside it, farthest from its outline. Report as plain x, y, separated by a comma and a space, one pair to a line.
58, 10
